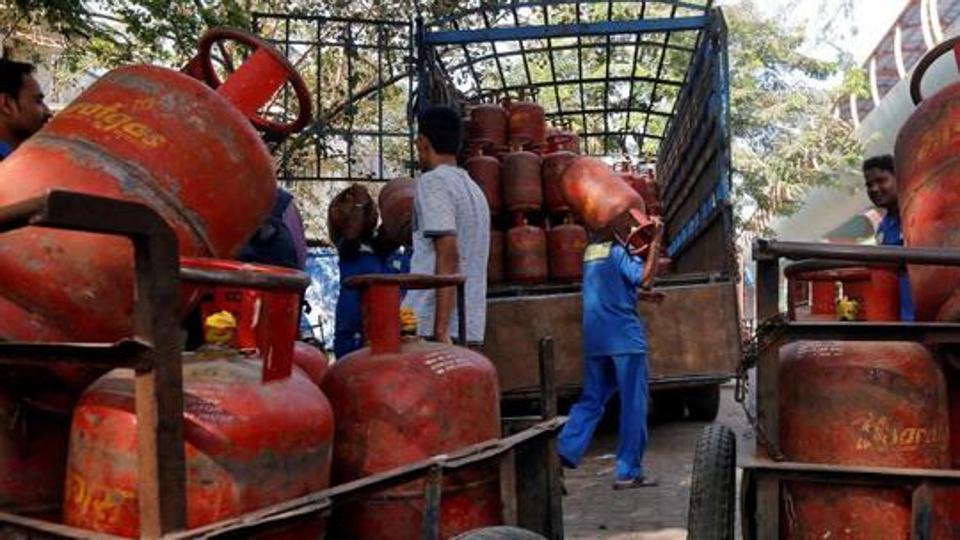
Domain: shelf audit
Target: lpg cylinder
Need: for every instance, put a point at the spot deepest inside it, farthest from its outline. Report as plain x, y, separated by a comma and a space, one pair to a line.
878, 404
527, 123
606, 202
566, 244
489, 124
485, 171
875, 290
928, 180
398, 402
264, 300
352, 216
522, 189
396, 210
823, 301
495, 266
257, 431
555, 163
311, 360
526, 254
149, 135
249, 444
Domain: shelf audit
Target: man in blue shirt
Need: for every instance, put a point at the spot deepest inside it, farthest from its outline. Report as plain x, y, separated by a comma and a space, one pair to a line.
615, 352
881, 181
22, 109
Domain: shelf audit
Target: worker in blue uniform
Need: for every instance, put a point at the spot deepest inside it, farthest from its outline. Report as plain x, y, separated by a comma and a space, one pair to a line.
359, 252
615, 358
881, 181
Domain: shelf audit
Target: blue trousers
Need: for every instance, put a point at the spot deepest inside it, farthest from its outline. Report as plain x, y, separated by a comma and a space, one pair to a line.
602, 376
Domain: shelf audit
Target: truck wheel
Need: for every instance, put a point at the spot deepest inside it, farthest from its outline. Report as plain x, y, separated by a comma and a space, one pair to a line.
713, 487
499, 533
704, 403
668, 405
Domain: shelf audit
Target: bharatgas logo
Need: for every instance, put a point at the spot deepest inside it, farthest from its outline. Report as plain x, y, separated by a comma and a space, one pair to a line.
112, 119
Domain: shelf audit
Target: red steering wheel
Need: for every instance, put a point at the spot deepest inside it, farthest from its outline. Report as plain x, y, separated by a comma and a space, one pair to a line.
205, 60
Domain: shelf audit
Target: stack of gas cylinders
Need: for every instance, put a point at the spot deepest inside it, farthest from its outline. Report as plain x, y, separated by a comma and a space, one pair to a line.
258, 429
519, 163
883, 404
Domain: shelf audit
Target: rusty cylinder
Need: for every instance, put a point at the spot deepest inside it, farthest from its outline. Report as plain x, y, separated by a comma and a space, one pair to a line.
522, 190
396, 210
527, 254
566, 244
928, 181
606, 203
555, 164
528, 124
880, 404
488, 124
485, 171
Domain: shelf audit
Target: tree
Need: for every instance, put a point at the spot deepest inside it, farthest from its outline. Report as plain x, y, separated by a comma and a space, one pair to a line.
786, 139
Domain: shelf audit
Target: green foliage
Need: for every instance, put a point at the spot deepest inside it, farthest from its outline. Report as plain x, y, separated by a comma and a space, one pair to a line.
786, 139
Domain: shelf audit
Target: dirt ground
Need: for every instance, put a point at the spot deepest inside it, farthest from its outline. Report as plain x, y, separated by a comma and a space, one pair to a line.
593, 510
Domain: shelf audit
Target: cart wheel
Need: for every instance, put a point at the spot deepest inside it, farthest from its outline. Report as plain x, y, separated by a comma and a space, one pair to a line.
713, 487
499, 533
704, 403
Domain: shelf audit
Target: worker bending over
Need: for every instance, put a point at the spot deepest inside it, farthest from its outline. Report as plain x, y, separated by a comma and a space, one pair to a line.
351, 217
615, 358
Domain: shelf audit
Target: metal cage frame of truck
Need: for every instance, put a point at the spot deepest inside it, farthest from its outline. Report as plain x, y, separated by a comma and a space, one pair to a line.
673, 103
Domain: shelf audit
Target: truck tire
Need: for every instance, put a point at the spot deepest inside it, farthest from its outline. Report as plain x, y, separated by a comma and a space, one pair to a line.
704, 403
499, 533
713, 492
668, 405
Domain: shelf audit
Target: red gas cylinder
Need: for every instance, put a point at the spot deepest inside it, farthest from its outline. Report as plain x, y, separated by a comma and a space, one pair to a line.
875, 290
396, 210
248, 444
566, 244
257, 431
495, 266
485, 171
928, 179
149, 135
527, 123
526, 254
646, 185
266, 308
878, 404
397, 402
606, 202
555, 163
352, 216
146, 134
823, 298
489, 124
312, 361
522, 189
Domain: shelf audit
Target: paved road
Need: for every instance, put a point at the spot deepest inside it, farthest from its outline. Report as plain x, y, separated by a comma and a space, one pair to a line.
593, 510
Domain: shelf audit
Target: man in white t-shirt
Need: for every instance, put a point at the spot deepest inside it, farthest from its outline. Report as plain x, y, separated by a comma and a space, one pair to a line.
451, 231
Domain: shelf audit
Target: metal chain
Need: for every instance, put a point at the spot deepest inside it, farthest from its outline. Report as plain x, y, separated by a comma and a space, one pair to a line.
768, 333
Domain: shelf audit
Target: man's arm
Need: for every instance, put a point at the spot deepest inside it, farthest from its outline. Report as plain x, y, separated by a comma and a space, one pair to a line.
448, 262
